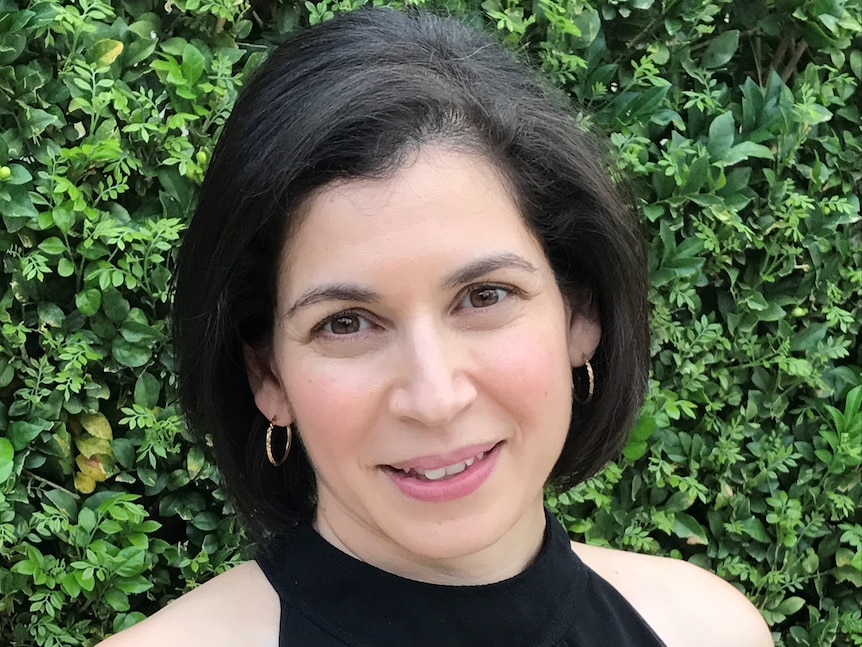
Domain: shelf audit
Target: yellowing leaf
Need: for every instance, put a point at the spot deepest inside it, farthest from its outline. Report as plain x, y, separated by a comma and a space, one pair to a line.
90, 445
91, 467
84, 484
106, 51
96, 425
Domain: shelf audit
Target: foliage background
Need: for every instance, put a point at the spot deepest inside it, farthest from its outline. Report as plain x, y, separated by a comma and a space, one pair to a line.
739, 124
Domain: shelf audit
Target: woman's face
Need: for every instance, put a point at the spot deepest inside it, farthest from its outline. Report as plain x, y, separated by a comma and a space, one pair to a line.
424, 352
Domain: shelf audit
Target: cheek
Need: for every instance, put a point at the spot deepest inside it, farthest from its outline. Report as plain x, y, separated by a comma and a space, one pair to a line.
534, 372
332, 407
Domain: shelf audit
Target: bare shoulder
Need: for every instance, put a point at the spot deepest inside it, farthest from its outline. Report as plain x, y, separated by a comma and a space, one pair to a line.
683, 603
238, 607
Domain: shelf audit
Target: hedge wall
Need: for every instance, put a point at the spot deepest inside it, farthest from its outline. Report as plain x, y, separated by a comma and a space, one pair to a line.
739, 124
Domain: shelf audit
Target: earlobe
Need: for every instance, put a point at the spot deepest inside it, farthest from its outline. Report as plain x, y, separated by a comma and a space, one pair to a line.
266, 385
585, 331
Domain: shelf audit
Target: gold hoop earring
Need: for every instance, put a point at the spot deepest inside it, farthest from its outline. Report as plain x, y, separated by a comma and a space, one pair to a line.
269, 455
592, 384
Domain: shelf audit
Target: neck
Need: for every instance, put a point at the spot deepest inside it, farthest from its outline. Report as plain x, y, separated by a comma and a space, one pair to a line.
475, 561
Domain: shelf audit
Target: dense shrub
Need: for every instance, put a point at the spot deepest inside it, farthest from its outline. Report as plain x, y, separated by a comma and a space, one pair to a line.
739, 124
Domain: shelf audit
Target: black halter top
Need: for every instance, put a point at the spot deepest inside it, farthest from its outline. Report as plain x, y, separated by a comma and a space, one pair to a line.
329, 599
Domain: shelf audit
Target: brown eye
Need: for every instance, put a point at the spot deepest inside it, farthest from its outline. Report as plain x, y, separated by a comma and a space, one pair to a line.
345, 324
484, 297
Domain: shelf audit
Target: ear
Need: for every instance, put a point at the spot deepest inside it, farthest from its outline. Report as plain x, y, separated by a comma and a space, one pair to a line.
266, 384
585, 329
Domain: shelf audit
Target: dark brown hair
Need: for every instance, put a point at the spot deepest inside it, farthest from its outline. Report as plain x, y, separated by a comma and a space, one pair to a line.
350, 98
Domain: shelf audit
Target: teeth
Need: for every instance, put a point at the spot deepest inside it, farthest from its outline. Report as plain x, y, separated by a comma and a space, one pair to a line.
434, 475
448, 470
457, 468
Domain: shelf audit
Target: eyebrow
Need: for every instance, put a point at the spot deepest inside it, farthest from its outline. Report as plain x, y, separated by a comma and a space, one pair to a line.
486, 265
356, 293
332, 292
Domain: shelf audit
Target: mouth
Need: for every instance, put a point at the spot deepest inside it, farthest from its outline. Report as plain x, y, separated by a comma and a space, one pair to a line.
439, 479
446, 471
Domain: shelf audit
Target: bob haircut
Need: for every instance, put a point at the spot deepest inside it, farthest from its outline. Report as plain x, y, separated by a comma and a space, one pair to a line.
356, 97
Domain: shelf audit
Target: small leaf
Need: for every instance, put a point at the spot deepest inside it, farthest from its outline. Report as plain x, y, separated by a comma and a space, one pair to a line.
131, 355
791, 605
88, 301
51, 314
721, 133
90, 446
53, 246
721, 49
195, 461
746, 149
7, 454
70, 585
687, 527
22, 432
97, 425
118, 600
65, 267
84, 484
106, 51
124, 452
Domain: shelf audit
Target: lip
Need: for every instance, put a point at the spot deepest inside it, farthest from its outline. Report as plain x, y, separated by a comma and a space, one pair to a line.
453, 487
436, 461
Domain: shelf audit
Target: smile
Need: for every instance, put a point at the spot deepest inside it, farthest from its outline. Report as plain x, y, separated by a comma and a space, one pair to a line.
448, 477
443, 472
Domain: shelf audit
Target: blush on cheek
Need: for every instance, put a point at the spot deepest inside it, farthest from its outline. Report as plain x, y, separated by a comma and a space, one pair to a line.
533, 374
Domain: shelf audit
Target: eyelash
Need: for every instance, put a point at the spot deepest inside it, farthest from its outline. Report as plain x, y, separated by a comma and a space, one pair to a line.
320, 329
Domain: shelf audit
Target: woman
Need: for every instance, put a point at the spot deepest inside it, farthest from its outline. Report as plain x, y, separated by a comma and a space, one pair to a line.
409, 299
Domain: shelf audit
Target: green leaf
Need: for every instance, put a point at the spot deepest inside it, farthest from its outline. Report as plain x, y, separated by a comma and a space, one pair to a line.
687, 527
115, 306
720, 49
746, 149
129, 354
88, 301
63, 501
791, 605
856, 63
51, 314
147, 390
7, 455
124, 452
20, 175
117, 599
70, 585
65, 267
22, 432
133, 585
721, 134
193, 64
753, 527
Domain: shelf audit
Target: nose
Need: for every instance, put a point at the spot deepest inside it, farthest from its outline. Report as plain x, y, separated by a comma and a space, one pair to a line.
433, 386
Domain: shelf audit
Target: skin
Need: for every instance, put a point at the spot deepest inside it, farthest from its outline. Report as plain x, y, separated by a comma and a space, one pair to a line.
446, 329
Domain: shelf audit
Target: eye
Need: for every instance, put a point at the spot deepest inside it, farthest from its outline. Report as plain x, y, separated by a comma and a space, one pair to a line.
344, 323
484, 296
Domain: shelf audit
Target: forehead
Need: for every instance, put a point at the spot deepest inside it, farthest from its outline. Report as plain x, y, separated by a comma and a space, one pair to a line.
441, 207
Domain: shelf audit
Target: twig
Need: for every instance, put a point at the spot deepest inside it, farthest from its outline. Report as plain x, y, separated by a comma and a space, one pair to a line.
794, 61
42, 479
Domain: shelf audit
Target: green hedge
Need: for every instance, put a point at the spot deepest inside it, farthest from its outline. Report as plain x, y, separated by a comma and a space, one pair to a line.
739, 124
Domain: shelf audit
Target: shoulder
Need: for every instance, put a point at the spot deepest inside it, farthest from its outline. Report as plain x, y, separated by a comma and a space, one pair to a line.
238, 607
683, 603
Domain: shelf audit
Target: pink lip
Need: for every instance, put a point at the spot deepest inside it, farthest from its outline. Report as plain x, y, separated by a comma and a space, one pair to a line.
437, 461
449, 488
